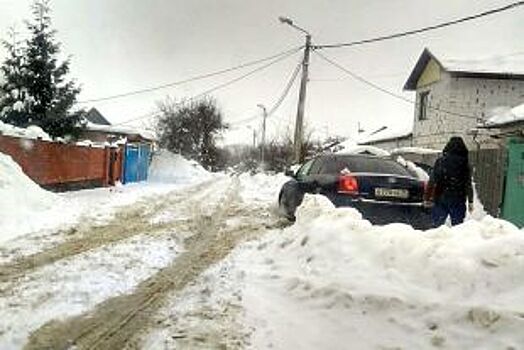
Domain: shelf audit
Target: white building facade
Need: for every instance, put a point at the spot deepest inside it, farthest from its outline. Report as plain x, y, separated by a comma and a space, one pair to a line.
453, 97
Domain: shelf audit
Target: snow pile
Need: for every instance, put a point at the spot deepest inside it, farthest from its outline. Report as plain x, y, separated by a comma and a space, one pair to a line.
361, 149
261, 187
334, 281
168, 167
23, 204
31, 132
414, 169
506, 115
415, 150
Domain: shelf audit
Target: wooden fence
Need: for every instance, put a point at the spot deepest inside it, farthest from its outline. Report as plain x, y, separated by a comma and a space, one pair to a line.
489, 167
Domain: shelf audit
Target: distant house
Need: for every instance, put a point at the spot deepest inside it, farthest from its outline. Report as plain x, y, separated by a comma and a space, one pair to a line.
453, 96
95, 117
135, 145
388, 139
99, 130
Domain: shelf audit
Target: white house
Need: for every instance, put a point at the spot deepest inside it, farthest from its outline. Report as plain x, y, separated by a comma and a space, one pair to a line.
453, 96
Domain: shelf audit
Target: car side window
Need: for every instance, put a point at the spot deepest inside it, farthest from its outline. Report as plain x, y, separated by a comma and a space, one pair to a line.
317, 166
304, 170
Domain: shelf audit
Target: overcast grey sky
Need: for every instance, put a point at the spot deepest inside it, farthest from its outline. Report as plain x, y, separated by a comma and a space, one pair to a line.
122, 45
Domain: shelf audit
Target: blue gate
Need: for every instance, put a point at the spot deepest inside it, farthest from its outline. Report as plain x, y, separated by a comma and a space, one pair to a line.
136, 163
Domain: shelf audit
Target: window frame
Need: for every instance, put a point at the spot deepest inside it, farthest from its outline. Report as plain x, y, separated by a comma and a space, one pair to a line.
423, 105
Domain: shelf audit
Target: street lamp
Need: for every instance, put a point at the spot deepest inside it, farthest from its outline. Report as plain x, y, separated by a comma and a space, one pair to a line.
289, 21
299, 123
264, 116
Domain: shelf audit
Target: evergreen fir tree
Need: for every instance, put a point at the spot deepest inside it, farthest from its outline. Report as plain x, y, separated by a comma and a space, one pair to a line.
50, 93
14, 101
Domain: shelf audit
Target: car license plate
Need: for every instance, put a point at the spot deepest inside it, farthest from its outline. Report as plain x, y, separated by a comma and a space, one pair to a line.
391, 192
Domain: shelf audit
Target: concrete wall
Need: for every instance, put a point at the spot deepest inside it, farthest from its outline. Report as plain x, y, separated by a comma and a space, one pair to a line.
462, 95
54, 164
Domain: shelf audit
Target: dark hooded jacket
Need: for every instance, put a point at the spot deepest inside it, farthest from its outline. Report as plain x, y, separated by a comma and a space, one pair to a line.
451, 175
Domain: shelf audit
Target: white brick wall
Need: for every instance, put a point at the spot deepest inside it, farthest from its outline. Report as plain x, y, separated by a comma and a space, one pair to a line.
468, 96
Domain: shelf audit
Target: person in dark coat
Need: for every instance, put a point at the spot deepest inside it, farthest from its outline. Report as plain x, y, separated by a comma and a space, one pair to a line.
450, 185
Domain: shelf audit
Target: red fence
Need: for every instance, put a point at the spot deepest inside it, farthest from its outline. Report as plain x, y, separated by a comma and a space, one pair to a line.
54, 164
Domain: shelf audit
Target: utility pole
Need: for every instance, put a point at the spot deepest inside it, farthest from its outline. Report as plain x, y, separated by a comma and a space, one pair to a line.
299, 123
264, 117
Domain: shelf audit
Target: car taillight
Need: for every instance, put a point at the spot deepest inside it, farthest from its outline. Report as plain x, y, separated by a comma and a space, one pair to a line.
347, 184
425, 187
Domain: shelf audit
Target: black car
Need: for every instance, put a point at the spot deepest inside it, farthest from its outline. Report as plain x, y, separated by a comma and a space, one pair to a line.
382, 189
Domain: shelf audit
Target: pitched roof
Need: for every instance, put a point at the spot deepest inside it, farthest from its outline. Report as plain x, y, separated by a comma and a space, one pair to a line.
386, 134
499, 67
95, 117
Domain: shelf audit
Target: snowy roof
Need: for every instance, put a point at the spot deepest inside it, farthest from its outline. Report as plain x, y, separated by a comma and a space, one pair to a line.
415, 150
31, 132
386, 134
509, 66
122, 130
506, 116
370, 150
95, 117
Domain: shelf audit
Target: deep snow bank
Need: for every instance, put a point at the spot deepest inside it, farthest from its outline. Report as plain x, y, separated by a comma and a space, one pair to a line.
168, 167
334, 281
23, 204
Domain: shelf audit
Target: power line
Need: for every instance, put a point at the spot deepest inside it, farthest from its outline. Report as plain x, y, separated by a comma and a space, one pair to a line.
362, 79
195, 78
424, 29
222, 85
288, 87
379, 88
281, 99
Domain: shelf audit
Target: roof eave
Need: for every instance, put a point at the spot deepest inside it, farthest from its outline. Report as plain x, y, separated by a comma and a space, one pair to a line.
487, 75
425, 57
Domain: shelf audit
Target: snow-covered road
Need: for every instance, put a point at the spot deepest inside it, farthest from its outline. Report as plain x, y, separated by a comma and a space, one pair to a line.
211, 266
111, 275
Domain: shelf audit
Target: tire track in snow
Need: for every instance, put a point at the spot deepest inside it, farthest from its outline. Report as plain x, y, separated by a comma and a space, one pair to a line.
118, 322
129, 222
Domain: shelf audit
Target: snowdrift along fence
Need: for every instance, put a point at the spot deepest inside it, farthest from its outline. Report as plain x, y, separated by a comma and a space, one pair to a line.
64, 166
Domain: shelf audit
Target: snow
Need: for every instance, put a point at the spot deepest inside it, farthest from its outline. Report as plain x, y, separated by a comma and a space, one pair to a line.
20, 199
361, 149
31, 132
77, 284
387, 133
503, 116
415, 150
18, 106
508, 64
168, 167
414, 169
334, 281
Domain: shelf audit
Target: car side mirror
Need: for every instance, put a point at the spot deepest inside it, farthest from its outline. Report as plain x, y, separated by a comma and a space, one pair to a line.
289, 173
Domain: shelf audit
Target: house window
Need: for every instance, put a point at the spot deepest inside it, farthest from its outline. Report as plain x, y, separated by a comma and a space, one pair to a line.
423, 106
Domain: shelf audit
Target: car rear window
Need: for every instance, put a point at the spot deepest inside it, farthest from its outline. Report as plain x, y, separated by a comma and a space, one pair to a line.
356, 164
